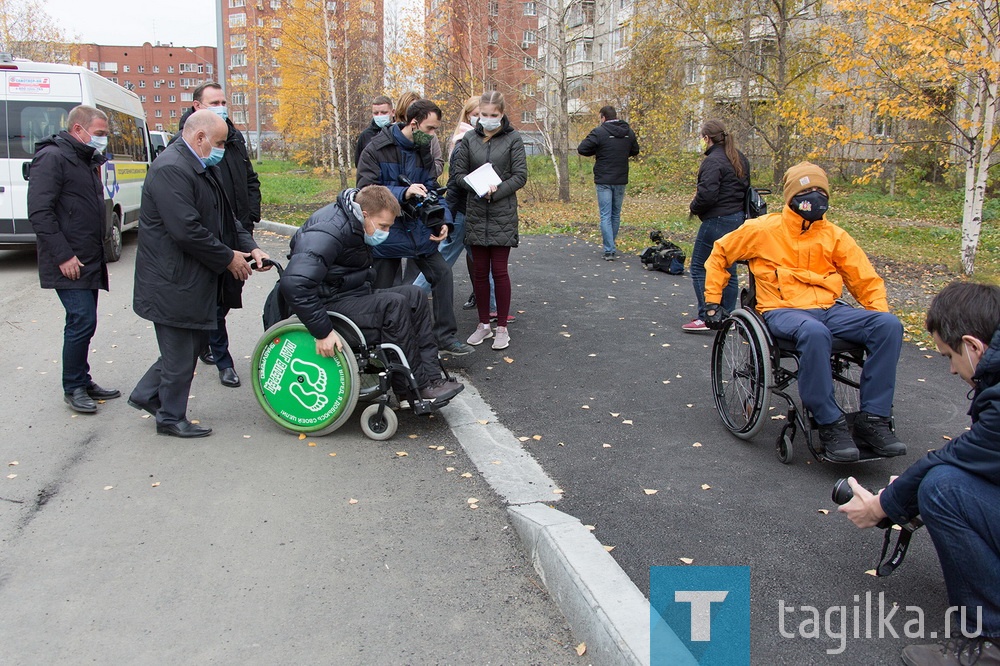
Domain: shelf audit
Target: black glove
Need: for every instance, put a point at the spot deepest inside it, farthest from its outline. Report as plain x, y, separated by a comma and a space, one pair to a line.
715, 316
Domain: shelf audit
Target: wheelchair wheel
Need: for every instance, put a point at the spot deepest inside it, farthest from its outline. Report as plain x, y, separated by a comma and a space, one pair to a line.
783, 447
378, 428
741, 374
846, 382
300, 390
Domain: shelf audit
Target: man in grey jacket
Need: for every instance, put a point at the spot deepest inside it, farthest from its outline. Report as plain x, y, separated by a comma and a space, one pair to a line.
187, 231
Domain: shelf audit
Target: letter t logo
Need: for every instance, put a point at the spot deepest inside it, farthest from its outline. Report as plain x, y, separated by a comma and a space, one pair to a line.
701, 610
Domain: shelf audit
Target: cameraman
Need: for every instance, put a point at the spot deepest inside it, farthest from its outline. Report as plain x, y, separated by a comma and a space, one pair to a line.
956, 489
401, 150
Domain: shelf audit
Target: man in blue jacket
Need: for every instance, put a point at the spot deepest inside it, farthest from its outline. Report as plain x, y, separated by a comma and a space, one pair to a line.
66, 211
401, 150
956, 489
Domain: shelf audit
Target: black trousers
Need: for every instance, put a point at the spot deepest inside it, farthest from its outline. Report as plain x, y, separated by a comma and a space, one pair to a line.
167, 383
438, 274
399, 315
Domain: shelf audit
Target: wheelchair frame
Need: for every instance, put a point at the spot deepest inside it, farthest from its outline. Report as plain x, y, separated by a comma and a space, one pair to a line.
747, 368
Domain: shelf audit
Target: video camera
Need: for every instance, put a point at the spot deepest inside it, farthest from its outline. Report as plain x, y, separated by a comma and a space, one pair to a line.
842, 494
429, 209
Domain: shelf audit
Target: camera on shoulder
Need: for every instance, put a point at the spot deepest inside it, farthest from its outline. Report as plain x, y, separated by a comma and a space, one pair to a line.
429, 208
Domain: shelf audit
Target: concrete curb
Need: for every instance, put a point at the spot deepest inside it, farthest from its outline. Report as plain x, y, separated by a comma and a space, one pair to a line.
602, 605
276, 227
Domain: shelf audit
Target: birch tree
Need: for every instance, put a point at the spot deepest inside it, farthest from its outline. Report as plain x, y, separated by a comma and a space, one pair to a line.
27, 31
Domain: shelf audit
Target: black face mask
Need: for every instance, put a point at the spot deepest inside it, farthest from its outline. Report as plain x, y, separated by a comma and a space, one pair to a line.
810, 205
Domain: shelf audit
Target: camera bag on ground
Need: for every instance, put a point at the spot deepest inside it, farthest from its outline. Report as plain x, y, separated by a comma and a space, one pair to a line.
663, 256
754, 204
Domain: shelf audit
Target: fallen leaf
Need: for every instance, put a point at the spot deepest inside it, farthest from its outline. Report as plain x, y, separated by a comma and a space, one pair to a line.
590, 528
312, 443
581, 649
523, 439
13, 463
146, 416
824, 511
592, 355
946, 437
449, 469
705, 486
609, 548
605, 446
472, 500
195, 420
352, 501
778, 417
449, 453
690, 404
155, 484
872, 572
584, 406
928, 356
685, 560
496, 462
302, 435
401, 454
333, 455
627, 422
536, 437
666, 381
473, 506
650, 491
666, 344
558, 491
565, 334
438, 448
508, 359
697, 445
246, 436
615, 414
413, 436
12, 476
921, 380
678, 376
467, 475
483, 421
108, 487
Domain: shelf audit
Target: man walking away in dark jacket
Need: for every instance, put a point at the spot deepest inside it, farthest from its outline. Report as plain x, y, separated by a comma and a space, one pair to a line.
402, 150
330, 269
183, 221
611, 143
382, 114
956, 489
241, 186
66, 211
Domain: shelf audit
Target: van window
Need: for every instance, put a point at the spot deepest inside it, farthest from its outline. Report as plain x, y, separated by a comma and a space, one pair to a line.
30, 122
126, 140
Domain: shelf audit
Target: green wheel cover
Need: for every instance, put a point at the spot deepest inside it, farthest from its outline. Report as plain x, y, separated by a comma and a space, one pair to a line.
300, 390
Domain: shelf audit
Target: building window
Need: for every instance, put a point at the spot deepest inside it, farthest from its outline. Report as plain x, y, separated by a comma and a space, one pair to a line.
527, 117
276, 81
881, 125
188, 83
125, 68
109, 67
156, 84
237, 20
529, 9
529, 62
156, 69
527, 90
141, 69
238, 60
690, 72
240, 117
113, 79
173, 113
156, 99
583, 51
158, 113
238, 99
581, 13
276, 23
494, 36
494, 8
171, 84
142, 83
528, 38
492, 62
93, 66
237, 3
275, 42
142, 99
159, 127
238, 41
275, 4
186, 97
617, 39
187, 67
173, 98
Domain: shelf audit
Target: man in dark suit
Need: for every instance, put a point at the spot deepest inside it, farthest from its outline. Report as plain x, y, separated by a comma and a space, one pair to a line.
187, 230
241, 186
66, 210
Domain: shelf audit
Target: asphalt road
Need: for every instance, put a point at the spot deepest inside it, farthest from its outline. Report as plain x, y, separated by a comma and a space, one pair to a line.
121, 546
599, 369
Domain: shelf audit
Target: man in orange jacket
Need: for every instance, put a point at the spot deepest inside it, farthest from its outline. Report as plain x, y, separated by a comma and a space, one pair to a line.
801, 262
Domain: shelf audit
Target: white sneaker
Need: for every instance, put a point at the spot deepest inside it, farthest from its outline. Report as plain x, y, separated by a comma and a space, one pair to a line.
482, 332
503, 338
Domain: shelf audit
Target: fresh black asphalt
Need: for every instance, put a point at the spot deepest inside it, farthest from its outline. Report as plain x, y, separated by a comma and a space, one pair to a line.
614, 399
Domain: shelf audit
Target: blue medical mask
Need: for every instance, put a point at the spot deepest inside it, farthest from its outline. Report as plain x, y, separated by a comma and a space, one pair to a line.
382, 121
98, 143
215, 157
490, 124
220, 111
377, 237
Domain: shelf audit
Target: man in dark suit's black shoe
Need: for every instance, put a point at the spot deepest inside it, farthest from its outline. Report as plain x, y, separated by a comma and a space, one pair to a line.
184, 429
97, 393
151, 407
229, 378
79, 401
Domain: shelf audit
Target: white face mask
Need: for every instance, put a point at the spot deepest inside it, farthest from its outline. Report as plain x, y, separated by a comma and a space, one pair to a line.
473, 120
490, 124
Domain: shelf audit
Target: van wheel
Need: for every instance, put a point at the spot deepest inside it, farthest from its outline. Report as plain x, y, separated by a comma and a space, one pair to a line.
113, 243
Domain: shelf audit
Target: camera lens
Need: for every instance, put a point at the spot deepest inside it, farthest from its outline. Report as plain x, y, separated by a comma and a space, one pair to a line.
842, 492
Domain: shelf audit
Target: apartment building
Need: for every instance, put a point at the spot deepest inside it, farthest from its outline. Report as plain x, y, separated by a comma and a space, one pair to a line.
163, 75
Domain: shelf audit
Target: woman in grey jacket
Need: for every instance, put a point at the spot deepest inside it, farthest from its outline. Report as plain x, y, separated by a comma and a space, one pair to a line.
491, 220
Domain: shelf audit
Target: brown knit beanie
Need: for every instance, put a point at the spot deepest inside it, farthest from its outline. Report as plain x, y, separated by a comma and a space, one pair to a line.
804, 176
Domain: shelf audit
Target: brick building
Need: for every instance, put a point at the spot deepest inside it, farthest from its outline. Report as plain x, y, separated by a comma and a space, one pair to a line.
164, 76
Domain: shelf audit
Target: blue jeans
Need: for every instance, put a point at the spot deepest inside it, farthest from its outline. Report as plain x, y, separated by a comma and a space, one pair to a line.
710, 231
451, 250
81, 324
881, 333
609, 204
959, 510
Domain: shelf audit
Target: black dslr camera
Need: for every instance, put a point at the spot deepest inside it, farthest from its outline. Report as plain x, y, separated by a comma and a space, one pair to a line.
429, 209
842, 494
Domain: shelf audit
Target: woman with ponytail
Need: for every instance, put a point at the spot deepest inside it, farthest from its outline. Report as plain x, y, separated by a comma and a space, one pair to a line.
723, 180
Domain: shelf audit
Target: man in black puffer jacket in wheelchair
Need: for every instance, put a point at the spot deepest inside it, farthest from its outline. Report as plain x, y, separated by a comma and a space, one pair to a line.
801, 263
330, 269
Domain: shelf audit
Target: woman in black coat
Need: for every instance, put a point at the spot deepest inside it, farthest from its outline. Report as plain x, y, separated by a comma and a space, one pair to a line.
723, 180
491, 220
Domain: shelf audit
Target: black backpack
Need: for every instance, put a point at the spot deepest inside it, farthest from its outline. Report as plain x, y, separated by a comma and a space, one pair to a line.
664, 256
754, 204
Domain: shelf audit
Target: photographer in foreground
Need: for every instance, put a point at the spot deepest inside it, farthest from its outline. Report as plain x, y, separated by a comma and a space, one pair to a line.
956, 489
400, 150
